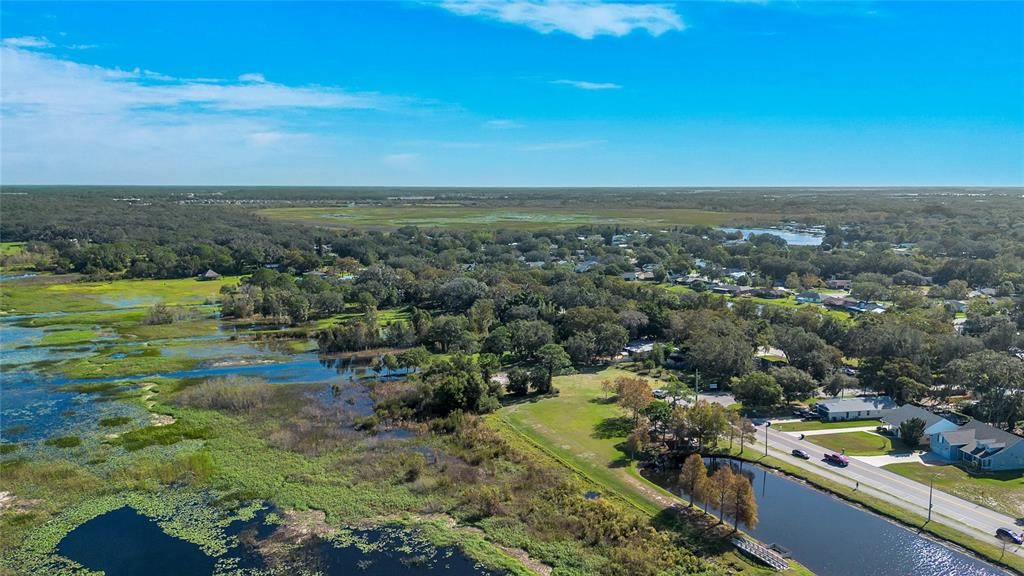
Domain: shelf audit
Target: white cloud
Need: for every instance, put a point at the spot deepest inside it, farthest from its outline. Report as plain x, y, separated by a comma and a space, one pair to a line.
401, 161
584, 85
64, 121
252, 77
581, 18
28, 42
40, 81
502, 124
560, 145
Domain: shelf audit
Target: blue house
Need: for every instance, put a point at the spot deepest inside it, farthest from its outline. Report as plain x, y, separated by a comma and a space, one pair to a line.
934, 424
980, 446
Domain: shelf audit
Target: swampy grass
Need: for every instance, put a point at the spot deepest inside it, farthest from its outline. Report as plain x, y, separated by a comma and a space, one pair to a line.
39, 296
518, 217
124, 361
114, 421
68, 337
64, 441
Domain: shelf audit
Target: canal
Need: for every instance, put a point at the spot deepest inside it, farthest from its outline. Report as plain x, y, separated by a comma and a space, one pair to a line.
834, 538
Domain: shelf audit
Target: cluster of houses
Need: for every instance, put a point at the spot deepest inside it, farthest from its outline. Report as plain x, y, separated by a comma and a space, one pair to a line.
950, 437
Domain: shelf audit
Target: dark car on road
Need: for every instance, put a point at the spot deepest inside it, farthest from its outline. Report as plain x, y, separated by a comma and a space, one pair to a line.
837, 459
801, 454
1009, 536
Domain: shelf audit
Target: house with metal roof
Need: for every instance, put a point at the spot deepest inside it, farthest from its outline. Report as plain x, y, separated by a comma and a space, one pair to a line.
934, 424
855, 408
981, 446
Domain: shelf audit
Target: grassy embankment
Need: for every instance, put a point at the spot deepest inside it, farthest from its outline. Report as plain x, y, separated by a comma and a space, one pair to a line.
517, 217
985, 549
584, 430
1001, 491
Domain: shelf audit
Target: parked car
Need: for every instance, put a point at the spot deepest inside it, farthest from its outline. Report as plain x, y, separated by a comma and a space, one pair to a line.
660, 394
801, 454
1009, 536
1020, 521
837, 459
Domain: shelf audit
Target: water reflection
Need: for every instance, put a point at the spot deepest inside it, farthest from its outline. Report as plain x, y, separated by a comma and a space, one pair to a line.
833, 538
125, 543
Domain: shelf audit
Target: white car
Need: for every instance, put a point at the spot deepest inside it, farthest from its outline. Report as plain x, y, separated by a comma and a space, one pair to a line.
660, 394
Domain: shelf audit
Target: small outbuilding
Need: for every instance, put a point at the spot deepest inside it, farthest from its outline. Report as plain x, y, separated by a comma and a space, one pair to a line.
209, 275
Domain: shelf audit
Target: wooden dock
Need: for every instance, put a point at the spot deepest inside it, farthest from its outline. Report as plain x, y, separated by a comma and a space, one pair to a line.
761, 552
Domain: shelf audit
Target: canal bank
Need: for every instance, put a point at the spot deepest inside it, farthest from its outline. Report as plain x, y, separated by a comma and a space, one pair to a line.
831, 537
947, 536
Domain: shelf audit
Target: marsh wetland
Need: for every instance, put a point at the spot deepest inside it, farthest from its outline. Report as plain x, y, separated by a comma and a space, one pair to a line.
85, 413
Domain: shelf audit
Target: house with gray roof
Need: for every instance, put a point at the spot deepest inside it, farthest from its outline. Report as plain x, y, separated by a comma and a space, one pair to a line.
980, 446
934, 424
855, 408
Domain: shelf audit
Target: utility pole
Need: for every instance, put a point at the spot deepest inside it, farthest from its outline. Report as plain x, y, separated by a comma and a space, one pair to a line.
767, 425
931, 490
696, 388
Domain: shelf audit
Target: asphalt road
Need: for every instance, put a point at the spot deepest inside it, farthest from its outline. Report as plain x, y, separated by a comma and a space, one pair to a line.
967, 517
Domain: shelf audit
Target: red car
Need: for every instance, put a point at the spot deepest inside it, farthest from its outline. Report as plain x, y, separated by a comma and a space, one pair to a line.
837, 459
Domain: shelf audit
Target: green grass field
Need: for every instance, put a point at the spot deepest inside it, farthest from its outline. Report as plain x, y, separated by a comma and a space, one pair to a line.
580, 427
817, 425
1002, 491
859, 443
518, 217
9, 248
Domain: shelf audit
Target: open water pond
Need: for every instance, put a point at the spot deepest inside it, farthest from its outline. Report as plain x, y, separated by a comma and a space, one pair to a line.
792, 237
126, 543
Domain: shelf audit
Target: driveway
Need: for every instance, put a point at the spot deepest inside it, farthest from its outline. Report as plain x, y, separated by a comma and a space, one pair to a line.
886, 459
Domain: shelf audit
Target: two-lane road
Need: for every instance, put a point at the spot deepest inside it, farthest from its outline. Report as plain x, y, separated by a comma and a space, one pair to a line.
972, 519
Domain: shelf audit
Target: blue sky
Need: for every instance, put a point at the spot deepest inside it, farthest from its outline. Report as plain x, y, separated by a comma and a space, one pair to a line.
500, 93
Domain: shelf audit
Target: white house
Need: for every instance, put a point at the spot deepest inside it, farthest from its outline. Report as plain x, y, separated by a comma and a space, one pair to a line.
980, 446
855, 408
934, 424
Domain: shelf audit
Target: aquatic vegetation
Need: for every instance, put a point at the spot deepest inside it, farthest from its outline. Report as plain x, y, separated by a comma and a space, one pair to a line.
124, 361
68, 337
160, 435
64, 441
7, 448
114, 421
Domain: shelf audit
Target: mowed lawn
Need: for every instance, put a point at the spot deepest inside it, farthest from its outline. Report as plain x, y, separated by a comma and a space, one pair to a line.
858, 443
818, 425
579, 427
1001, 491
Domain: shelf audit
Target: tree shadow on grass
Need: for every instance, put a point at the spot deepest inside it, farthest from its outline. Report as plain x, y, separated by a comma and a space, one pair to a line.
603, 400
617, 427
621, 462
